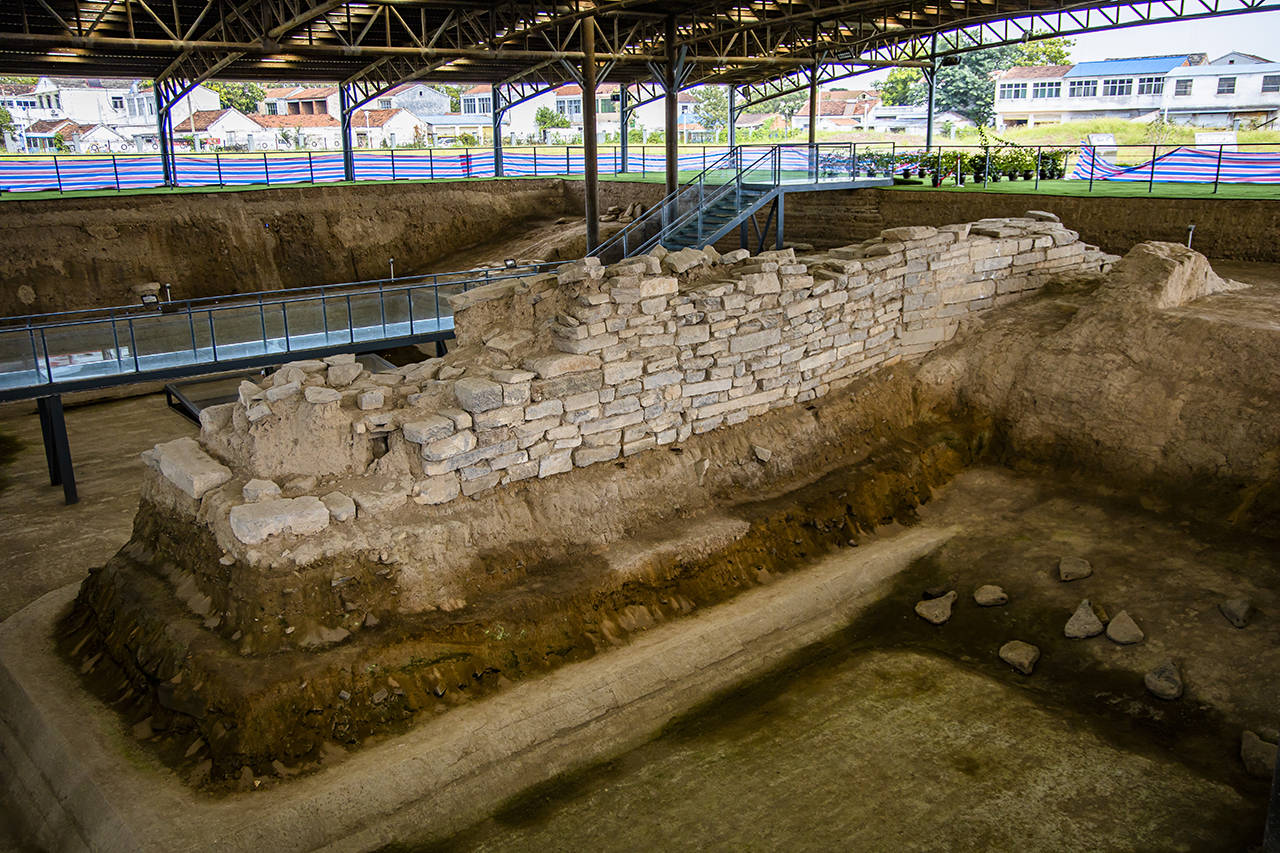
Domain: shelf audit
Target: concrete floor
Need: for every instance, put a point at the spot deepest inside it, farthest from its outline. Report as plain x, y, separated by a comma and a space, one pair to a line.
45, 544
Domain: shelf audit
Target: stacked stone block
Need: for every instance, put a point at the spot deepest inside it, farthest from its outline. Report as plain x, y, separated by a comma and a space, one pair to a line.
637, 355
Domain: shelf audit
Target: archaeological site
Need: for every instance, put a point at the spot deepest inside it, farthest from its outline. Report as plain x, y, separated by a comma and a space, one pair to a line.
789, 504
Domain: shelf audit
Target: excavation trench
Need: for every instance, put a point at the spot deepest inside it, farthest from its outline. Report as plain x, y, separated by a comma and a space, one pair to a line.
283, 707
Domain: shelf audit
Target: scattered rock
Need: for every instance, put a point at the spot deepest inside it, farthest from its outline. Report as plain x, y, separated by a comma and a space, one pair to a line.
342, 375
1073, 568
368, 400
763, 454
319, 395
253, 523
1042, 216
990, 595
1021, 656
1259, 757
1123, 630
341, 358
1237, 610
1083, 623
936, 610
258, 490
1165, 681
341, 507
936, 591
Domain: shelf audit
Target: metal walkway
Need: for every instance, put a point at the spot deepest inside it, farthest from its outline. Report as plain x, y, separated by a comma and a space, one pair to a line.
49, 354
731, 191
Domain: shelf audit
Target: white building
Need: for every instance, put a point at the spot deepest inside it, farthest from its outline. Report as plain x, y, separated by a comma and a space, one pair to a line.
1233, 89
301, 100
206, 130
900, 119
314, 132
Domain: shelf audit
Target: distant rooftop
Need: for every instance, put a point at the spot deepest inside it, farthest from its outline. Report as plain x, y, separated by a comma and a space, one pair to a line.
1123, 67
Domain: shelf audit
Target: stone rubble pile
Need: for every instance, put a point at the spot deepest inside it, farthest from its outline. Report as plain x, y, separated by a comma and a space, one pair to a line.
640, 354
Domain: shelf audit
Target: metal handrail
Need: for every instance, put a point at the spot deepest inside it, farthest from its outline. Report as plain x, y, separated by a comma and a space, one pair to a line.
671, 202
202, 303
622, 236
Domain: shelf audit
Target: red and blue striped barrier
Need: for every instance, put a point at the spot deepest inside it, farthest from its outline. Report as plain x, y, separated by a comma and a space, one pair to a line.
1184, 165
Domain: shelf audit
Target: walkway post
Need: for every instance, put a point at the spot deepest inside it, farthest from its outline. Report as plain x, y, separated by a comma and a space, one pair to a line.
672, 113
590, 158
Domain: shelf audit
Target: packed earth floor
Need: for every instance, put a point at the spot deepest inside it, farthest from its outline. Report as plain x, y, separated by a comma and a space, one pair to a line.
897, 733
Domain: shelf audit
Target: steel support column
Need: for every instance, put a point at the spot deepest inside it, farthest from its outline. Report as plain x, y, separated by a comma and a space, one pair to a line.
164, 127
345, 108
733, 115
930, 77
590, 158
497, 132
813, 104
624, 118
672, 124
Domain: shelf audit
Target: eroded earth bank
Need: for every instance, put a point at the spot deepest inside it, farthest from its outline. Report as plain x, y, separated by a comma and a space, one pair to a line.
343, 555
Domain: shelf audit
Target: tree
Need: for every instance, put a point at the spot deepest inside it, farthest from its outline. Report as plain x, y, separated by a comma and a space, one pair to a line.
455, 97
468, 140
244, 97
711, 107
7, 125
903, 86
968, 87
547, 118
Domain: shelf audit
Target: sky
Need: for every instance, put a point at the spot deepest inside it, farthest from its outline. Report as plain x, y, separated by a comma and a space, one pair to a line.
1256, 32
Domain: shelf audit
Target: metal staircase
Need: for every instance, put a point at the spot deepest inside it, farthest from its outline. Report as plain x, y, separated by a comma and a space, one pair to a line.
709, 206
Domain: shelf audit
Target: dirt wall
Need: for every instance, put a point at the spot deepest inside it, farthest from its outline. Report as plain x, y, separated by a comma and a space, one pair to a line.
83, 252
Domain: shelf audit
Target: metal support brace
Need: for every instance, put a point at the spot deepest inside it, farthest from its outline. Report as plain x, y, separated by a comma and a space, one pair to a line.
168, 93
624, 117
57, 450
733, 116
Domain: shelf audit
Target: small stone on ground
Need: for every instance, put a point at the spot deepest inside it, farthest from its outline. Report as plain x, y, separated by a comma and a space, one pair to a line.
936, 610
1238, 611
1259, 757
990, 595
1165, 681
1073, 568
1123, 630
1019, 655
1083, 623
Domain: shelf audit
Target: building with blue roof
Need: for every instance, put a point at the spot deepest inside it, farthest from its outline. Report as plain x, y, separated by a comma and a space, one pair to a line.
1234, 90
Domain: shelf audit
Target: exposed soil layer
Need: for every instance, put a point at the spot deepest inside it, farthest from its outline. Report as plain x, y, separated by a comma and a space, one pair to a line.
1077, 756
532, 608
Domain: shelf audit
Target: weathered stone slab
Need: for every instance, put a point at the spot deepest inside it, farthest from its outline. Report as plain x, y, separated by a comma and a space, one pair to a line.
256, 522
477, 395
558, 364
185, 464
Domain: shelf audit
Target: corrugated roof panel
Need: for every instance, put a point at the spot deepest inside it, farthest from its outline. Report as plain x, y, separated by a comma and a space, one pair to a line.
1125, 67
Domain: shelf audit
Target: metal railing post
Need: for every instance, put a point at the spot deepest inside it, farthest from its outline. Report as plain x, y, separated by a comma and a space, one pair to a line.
351, 325
1151, 182
217, 160
115, 170
1093, 159
284, 318
535, 161
431, 163
191, 330
393, 164
311, 167
986, 170
1038, 151
57, 172
1217, 173
133, 348
266, 169
213, 338
48, 365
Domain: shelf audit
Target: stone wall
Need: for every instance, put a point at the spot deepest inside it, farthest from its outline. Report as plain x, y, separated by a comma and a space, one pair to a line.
581, 369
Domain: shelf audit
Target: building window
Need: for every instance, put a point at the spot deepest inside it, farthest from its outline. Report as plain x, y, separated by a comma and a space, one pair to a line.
1150, 85
1271, 83
1226, 85
1181, 88
469, 106
1083, 89
384, 103
1013, 91
273, 108
1117, 87
117, 102
482, 104
1046, 90
569, 106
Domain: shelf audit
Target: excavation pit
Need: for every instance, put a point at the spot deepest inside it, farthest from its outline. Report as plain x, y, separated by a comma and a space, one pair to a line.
885, 482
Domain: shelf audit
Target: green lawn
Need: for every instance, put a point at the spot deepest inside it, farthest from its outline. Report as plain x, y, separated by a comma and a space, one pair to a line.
1109, 189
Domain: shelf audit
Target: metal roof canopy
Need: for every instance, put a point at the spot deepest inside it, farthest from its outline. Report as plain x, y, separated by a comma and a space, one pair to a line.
763, 47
